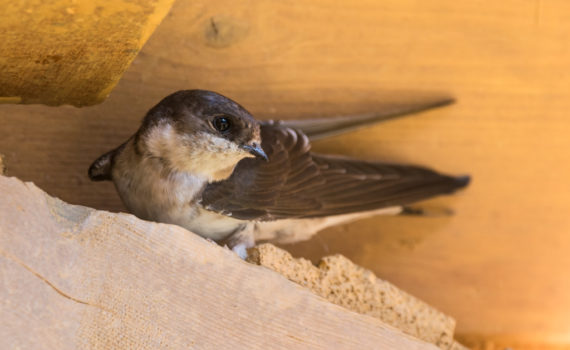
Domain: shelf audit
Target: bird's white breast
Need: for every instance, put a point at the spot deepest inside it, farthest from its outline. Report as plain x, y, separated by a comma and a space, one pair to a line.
151, 193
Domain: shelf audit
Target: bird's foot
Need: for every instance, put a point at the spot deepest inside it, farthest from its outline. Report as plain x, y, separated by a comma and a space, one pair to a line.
241, 250
240, 241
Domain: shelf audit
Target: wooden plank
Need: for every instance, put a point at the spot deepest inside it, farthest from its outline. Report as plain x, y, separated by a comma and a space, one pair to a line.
73, 277
71, 51
499, 265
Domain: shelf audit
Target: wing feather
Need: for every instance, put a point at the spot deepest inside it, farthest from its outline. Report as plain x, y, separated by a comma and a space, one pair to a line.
296, 183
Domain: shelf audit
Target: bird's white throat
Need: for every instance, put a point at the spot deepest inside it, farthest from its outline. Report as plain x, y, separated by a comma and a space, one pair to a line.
200, 154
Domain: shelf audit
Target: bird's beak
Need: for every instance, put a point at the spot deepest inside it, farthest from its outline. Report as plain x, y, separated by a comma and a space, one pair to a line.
256, 150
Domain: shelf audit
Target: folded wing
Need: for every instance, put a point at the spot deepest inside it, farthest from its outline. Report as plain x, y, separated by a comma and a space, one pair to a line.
296, 183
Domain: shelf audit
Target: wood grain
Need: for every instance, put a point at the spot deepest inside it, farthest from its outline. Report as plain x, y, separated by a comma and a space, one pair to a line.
76, 278
499, 266
71, 51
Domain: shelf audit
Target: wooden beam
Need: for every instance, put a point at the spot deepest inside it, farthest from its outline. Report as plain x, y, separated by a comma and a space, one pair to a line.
71, 51
74, 277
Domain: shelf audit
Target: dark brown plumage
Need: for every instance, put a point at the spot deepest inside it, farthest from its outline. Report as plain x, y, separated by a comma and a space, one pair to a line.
296, 183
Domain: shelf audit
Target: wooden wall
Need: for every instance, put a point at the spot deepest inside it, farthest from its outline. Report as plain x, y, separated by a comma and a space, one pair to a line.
501, 265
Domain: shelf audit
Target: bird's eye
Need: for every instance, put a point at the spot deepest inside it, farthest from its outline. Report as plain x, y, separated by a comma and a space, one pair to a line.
222, 124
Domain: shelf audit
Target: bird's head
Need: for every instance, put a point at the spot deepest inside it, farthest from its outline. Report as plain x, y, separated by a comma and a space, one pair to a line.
199, 132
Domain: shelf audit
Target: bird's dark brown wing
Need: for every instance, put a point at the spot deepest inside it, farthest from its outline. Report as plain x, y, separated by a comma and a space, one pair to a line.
296, 183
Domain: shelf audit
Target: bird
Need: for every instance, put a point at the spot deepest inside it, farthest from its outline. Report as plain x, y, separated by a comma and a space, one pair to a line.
202, 161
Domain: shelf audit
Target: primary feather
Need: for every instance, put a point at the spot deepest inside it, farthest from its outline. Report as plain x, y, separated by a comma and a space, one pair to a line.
321, 128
